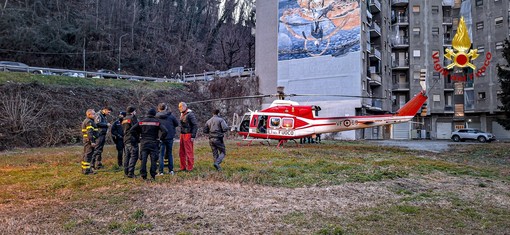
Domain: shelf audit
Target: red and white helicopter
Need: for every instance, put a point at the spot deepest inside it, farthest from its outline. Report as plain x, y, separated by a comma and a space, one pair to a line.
286, 120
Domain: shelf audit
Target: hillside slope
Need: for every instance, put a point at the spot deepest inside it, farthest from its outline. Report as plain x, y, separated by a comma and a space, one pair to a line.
48, 110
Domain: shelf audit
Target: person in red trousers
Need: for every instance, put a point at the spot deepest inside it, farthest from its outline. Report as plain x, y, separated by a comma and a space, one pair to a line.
189, 127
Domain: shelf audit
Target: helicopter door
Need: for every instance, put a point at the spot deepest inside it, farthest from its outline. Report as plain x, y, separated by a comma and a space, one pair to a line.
245, 123
262, 125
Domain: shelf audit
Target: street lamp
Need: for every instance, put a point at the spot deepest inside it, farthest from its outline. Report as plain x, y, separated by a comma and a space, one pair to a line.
120, 47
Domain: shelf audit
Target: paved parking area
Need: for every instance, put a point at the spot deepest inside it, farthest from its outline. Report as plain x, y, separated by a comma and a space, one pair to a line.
424, 145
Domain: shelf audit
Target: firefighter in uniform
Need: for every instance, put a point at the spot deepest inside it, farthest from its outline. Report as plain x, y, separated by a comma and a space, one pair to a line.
102, 124
131, 151
149, 129
89, 130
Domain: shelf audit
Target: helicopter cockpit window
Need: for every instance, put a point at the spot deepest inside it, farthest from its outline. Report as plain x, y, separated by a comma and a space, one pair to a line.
275, 122
288, 123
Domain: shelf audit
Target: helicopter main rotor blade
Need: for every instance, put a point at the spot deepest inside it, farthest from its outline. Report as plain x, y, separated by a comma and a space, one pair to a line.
348, 96
229, 98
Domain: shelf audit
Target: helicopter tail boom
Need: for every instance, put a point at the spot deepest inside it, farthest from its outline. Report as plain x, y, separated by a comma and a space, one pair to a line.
413, 106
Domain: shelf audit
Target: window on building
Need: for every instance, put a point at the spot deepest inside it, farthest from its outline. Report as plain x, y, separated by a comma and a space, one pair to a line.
447, 12
498, 21
435, 9
481, 49
416, 31
499, 45
436, 98
416, 9
448, 100
455, 21
416, 75
435, 75
479, 25
481, 95
435, 31
479, 3
416, 53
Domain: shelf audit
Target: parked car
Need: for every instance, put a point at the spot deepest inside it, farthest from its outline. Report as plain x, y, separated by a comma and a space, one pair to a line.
10, 66
104, 73
43, 72
472, 134
236, 72
74, 74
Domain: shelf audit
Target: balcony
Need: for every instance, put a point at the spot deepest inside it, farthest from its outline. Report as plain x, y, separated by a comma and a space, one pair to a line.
375, 79
375, 6
399, 2
369, 48
400, 64
375, 30
369, 16
401, 86
401, 20
375, 53
447, 20
374, 70
400, 42
377, 104
449, 3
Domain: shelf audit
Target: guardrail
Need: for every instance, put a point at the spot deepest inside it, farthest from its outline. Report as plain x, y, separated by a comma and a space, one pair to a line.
206, 76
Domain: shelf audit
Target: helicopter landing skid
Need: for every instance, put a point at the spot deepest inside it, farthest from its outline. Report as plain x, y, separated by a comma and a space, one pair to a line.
280, 144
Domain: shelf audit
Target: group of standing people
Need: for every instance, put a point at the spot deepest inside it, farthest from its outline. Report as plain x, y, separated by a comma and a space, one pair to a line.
149, 139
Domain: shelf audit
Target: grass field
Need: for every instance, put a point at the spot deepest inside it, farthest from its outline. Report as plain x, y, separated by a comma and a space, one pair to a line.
337, 187
7, 77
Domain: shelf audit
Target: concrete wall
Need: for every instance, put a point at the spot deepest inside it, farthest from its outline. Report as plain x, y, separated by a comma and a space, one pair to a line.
266, 44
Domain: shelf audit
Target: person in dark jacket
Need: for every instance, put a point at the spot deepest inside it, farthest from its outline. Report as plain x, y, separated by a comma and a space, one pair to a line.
103, 125
118, 137
216, 127
170, 122
89, 130
149, 130
189, 127
131, 151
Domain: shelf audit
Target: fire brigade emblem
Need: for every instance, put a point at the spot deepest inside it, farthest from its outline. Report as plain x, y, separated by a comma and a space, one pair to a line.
461, 43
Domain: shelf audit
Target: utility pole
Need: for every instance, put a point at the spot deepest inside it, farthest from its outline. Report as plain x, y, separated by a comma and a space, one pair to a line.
84, 40
120, 47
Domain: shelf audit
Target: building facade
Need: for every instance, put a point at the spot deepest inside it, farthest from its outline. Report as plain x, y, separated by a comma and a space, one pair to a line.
392, 51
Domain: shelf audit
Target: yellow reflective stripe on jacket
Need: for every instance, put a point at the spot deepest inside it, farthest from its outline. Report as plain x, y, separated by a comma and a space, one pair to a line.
85, 165
91, 127
85, 135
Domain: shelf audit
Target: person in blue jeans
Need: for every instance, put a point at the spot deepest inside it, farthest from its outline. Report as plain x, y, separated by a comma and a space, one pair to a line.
170, 122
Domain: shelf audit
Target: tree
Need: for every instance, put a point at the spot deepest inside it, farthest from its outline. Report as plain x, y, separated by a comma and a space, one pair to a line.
163, 35
504, 80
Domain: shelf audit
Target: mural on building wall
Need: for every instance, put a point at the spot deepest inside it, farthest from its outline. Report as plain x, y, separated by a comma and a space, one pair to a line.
309, 28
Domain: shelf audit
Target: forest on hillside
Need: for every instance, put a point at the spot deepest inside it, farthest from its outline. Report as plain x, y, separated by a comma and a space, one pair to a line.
150, 37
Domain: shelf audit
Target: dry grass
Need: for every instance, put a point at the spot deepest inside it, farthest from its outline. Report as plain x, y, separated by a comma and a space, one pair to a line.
332, 188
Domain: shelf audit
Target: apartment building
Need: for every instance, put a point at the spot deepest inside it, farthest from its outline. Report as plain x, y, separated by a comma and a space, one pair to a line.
400, 51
